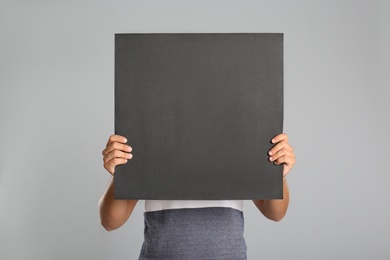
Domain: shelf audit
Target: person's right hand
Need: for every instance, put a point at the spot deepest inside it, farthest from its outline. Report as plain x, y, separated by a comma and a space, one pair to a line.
116, 152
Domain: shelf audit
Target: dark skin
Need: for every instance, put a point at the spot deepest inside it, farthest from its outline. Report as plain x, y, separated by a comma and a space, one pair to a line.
114, 213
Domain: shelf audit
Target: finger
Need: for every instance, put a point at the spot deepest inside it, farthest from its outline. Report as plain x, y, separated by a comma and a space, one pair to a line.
279, 146
117, 146
290, 161
279, 137
116, 138
117, 154
110, 165
281, 153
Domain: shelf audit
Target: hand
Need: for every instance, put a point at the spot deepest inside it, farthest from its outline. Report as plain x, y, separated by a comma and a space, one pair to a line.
116, 152
282, 152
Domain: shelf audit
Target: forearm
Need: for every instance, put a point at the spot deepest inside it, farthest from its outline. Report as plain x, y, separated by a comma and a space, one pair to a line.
114, 213
275, 209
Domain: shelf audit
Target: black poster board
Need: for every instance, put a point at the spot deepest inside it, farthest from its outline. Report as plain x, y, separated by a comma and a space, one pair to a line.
199, 111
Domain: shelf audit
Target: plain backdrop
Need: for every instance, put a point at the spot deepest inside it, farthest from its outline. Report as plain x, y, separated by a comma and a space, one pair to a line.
57, 112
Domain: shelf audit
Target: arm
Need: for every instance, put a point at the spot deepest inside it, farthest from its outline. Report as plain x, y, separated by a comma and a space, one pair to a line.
114, 213
282, 152
275, 209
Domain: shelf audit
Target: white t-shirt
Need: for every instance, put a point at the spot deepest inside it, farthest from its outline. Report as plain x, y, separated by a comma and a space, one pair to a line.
154, 205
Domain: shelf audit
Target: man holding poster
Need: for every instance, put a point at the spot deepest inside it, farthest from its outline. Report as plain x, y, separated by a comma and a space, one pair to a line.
204, 116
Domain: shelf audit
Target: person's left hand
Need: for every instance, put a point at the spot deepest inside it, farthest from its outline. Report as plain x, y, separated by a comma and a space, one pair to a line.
282, 152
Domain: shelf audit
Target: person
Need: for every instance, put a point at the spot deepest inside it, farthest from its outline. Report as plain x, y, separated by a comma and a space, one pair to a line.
176, 229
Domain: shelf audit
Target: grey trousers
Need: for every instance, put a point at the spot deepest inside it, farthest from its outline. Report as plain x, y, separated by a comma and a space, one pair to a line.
194, 233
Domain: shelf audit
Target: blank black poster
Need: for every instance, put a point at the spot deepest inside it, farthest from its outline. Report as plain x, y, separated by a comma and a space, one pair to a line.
199, 111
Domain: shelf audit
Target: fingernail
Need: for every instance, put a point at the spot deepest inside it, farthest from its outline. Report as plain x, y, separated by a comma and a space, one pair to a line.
270, 152
273, 140
125, 140
270, 158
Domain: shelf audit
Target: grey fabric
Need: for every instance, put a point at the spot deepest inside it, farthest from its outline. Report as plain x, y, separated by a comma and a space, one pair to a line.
194, 233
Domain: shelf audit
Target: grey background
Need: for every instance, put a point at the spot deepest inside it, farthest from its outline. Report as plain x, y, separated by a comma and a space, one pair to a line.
57, 111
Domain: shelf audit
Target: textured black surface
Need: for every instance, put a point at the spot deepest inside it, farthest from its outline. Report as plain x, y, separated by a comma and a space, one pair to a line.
199, 110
